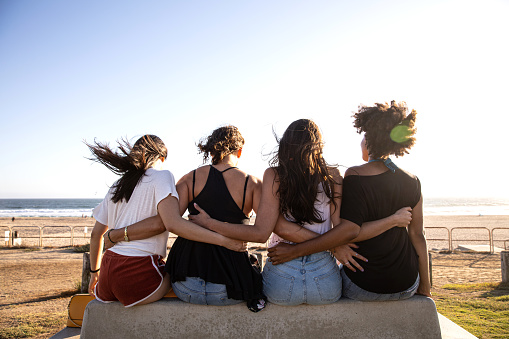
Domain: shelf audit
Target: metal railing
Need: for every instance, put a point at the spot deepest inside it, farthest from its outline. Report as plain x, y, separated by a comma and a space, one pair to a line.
448, 239
450, 235
10, 240
493, 236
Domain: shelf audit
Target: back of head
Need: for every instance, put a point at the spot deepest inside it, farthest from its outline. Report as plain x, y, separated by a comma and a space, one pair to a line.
223, 141
388, 129
130, 162
301, 167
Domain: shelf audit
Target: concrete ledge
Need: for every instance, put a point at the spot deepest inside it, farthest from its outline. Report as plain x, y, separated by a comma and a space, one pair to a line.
171, 318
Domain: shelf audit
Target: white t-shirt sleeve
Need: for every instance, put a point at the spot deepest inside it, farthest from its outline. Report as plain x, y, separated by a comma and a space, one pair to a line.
100, 213
164, 186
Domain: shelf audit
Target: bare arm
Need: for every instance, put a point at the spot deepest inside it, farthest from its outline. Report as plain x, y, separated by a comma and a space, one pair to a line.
339, 235
141, 230
416, 234
168, 209
292, 232
266, 218
183, 192
257, 193
149, 227
96, 248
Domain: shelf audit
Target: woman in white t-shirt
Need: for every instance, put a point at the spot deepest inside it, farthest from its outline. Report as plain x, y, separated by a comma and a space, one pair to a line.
132, 271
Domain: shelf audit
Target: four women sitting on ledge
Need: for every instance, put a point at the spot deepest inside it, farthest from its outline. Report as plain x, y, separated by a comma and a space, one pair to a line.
306, 208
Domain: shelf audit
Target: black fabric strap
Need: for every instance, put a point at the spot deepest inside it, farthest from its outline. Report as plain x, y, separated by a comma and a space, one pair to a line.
244, 197
229, 168
194, 178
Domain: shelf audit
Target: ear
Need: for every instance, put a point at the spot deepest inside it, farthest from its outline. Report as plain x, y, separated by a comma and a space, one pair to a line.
239, 153
162, 159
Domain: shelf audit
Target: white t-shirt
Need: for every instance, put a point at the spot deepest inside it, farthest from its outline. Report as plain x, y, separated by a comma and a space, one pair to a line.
153, 187
322, 204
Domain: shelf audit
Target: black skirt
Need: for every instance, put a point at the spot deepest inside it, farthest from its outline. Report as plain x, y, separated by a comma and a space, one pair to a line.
215, 264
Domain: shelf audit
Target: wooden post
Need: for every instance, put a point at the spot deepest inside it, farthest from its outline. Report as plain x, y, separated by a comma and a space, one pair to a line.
85, 274
430, 269
504, 265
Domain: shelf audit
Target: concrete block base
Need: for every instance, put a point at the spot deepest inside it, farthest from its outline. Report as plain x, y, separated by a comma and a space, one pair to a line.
171, 318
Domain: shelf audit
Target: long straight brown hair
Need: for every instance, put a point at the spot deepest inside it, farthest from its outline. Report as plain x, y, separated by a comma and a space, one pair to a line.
130, 162
301, 167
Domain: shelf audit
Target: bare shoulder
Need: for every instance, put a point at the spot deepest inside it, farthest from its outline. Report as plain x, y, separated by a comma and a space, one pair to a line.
269, 174
257, 182
186, 178
336, 175
355, 170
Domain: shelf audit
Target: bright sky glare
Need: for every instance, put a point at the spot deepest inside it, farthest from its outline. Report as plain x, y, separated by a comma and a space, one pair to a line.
78, 70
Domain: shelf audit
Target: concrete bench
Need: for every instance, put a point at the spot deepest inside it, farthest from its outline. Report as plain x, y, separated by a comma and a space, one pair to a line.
171, 318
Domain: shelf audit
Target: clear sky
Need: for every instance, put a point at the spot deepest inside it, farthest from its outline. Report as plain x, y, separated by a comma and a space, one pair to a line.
78, 70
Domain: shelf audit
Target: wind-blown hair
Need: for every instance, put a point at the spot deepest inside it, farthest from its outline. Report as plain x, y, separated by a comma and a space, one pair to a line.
223, 141
388, 129
301, 167
130, 162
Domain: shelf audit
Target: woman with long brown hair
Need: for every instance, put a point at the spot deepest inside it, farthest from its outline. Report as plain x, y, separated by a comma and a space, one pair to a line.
132, 271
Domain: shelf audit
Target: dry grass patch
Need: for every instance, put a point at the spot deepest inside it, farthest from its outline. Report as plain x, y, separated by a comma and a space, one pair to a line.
482, 309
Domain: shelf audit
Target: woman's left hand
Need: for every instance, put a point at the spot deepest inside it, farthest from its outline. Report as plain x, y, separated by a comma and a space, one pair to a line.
424, 289
202, 219
347, 256
281, 253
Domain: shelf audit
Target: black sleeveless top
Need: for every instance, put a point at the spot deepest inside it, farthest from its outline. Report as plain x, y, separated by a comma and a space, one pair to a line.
213, 263
393, 262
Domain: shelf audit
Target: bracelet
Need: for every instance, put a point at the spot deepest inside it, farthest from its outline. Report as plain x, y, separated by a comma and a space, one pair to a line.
126, 238
97, 270
110, 238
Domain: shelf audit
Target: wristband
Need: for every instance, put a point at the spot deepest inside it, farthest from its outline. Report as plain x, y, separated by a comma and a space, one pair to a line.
126, 238
97, 270
110, 238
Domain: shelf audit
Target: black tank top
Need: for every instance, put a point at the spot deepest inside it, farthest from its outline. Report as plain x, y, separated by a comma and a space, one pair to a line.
213, 263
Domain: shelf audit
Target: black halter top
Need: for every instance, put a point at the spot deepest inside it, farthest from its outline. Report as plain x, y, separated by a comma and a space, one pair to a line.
212, 263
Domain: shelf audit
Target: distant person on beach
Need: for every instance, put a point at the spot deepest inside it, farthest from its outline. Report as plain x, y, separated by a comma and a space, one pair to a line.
398, 258
299, 186
209, 274
13, 219
132, 271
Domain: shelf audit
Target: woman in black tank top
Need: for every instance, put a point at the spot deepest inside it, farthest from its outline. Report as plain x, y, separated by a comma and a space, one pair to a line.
207, 274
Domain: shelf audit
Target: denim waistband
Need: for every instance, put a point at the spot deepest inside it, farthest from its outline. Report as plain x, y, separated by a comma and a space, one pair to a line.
313, 257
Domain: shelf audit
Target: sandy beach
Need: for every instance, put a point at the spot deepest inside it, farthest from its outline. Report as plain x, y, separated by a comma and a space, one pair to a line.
38, 282
473, 230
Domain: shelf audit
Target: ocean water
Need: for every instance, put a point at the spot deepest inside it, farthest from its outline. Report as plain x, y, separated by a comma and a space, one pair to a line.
79, 207
47, 207
466, 206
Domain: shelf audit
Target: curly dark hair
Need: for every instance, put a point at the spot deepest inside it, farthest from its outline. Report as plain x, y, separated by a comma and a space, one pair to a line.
223, 141
301, 167
388, 129
131, 162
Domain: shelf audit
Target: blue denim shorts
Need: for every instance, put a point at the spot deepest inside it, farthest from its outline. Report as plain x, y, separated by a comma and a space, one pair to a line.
313, 279
352, 291
197, 291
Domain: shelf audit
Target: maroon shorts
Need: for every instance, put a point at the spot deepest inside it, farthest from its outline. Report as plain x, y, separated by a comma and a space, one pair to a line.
129, 280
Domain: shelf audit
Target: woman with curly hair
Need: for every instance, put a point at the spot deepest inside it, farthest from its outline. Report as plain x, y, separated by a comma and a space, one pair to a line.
132, 270
207, 274
398, 259
299, 186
